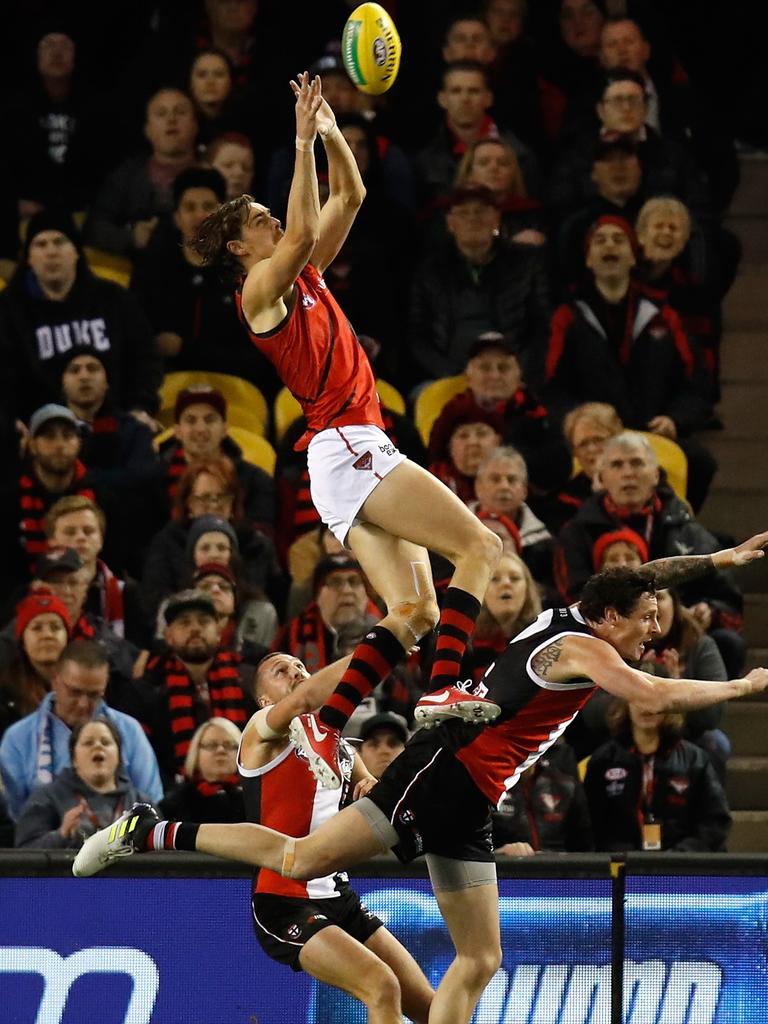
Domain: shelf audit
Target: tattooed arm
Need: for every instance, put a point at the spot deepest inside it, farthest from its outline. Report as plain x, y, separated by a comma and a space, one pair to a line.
543, 662
670, 572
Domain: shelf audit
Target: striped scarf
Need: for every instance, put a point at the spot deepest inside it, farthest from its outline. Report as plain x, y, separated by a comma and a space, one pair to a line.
110, 596
34, 502
227, 698
175, 467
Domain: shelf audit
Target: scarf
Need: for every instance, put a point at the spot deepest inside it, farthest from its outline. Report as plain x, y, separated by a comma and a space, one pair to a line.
225, 785
226, 696
44, 767
641, 520
110, 596
307, 638
177, 464
34, 502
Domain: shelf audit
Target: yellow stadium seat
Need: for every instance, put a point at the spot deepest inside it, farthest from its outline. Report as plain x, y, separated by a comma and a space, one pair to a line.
432, 399
256, 449
110, 267
671, 458
286, 409
246, 406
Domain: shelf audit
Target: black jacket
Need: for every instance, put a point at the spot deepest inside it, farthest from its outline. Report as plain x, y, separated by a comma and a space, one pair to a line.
187, 803
38, 337
673, 531
688, 799
453, 302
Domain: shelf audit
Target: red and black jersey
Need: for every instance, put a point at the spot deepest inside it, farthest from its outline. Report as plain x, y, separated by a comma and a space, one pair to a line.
534, 711
319, 359
284, 795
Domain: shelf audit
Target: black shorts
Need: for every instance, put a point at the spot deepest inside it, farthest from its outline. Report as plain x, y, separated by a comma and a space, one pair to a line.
433, 804
284, 924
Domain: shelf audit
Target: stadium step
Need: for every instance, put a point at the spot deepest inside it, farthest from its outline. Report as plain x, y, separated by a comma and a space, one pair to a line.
752, 232
756, 619
743, 356
751, 198
749, 832
757, 657
746, 723
743, 408
744, 306
747, 783
741, 458
738, 512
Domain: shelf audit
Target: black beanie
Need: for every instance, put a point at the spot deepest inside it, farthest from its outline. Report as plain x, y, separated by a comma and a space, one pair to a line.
52, 220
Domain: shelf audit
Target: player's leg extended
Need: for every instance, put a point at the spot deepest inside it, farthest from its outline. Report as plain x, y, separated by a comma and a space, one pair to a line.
412, 504
416, 992
472, 918
337, 959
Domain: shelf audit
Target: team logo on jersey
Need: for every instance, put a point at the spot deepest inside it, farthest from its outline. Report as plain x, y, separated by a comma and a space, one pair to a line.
307, 301
406, 818
550, 801
364, 462
679, 784
293, 931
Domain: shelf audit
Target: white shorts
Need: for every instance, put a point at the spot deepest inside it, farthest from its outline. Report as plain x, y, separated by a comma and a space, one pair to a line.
345, 464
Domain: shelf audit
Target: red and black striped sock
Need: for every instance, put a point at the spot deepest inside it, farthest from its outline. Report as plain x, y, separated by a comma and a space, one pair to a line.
457, 620
168, 835
374, 658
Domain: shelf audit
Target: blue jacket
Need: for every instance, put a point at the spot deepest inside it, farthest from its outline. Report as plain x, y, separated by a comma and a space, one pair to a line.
19, 752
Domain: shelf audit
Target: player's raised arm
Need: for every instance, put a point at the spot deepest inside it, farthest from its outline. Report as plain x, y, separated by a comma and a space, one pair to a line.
269, 279
677, 569
346, 190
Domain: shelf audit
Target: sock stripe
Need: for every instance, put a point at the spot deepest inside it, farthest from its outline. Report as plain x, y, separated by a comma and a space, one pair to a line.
372, 662
362, 675
349, 692
457, 620
452, 619
170, 836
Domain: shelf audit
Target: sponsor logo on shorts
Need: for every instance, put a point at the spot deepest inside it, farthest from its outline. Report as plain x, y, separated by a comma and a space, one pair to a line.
387, 449
364, 462
293, 931
406, 818
316, 917
307, 301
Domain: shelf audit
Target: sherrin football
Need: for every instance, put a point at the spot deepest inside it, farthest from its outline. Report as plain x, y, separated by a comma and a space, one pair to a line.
371, 48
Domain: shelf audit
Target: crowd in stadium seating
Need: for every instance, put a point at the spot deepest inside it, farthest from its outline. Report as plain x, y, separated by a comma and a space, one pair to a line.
536, 276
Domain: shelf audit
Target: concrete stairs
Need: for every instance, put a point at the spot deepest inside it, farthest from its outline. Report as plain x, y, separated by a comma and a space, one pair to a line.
738, 503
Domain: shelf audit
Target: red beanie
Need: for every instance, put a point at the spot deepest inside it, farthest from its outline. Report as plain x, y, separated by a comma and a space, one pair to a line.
625, 536
40, 602
618, 222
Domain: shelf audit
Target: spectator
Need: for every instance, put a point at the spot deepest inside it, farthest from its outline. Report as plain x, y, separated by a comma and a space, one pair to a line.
501, 487
495, 382
77, 522
197, 679
47, 122
84, 797
41, 631
200, 433
211, 89
36, 749
383, 737
212, 790
511, 604
649, 789
125, 211
547, 810
248, 623
514, 74
618, 548
634, 497
611, 344
465, 98
52, 470
457, 446
231, 154
53, 308
586, 429
493, 164
190, 307
207, 486
340, 597
116, 447
667, 167
475, 282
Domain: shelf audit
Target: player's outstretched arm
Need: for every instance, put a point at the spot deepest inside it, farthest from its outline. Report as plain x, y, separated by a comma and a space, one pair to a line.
670, 572
595, 659
346, 190
271, 278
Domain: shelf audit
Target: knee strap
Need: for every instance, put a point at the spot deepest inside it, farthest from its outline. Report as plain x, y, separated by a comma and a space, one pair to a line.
289, 857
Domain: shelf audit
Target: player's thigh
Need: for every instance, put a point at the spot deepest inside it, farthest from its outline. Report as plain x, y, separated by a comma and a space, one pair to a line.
335, 958
344, 840
397, 569
471, 916
416, 991
412, 504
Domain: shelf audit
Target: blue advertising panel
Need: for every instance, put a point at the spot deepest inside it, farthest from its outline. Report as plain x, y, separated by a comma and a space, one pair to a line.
696, 950
182, 951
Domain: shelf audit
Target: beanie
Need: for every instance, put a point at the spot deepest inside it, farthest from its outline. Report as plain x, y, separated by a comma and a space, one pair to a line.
39, 602
52, 220
623, 536
210, 524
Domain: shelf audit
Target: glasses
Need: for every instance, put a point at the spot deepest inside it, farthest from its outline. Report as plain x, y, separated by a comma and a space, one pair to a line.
228, 746
339, 582
633, 102
211, 500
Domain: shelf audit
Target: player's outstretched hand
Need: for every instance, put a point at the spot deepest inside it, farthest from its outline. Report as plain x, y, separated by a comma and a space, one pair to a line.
759, 679
309, 99
742, 554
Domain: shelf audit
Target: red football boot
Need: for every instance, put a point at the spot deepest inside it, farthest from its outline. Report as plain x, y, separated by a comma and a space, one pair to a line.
321, 746
453, 702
